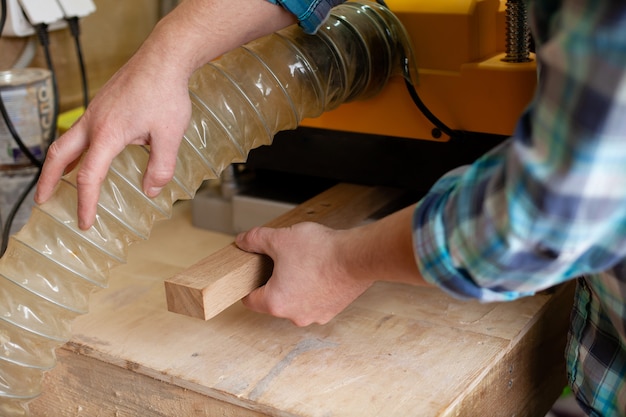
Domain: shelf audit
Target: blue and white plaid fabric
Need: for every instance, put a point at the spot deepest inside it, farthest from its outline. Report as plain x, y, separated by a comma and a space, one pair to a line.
549, 205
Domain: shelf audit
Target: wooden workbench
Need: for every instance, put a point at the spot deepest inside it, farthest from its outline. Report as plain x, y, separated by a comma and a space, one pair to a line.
396, 351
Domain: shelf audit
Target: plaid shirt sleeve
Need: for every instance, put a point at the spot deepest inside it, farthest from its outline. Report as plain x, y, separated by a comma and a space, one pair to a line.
310, 13
549, 204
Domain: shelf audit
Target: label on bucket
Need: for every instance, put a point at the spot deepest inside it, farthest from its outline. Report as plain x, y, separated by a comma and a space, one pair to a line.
29, 100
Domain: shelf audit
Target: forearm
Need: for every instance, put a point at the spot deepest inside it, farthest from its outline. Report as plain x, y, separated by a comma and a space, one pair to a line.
198, 31
382, 250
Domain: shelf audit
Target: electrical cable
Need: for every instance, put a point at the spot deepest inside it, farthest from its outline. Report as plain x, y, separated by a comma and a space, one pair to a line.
5, 115
42, 34
74, 26
408, 81
3, 19
6, 231
9, 221
3, 15
439, 126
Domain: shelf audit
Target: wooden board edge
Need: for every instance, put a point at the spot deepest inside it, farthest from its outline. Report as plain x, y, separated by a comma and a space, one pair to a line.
81, 385
239, 273
531, 373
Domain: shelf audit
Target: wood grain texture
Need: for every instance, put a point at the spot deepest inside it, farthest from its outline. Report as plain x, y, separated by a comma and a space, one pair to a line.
527, 372
225, 277
82, 386
396, 351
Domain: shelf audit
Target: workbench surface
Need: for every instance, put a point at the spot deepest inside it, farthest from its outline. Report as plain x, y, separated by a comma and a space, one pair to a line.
396, 351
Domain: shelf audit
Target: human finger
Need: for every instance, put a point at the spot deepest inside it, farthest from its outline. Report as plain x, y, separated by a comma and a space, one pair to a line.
257, 240
62, 154
263, 301
257, 301
90, 176
161, 166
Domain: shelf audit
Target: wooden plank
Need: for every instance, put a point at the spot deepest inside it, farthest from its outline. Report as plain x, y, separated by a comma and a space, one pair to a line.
530, 371
397, 350
225, 277
480, 375
83, 386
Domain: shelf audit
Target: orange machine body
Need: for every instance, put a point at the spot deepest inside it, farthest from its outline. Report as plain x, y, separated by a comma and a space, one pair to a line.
461, 77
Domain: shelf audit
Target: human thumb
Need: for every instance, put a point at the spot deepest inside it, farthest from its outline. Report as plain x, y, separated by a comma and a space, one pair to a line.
256, 301
256, 240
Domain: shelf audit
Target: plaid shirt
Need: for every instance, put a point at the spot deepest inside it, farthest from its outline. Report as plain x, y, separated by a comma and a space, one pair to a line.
548, 205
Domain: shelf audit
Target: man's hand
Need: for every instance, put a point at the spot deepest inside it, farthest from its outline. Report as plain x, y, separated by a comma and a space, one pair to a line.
309, 283
147, 101
318, 271
137, 106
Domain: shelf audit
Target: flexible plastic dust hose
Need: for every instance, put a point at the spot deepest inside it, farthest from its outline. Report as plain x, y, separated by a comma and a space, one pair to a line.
239, 102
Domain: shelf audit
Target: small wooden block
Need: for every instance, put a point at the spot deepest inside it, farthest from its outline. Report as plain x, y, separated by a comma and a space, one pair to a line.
226, 276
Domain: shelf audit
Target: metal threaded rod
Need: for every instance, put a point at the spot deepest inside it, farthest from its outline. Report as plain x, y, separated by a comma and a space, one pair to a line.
238, 102
517, 32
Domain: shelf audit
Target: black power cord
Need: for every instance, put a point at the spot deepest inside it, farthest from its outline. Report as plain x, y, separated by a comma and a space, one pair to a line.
11, 127
74, 26
42, 33
21, 145
6, 231
439, 126
5, 115
3, 15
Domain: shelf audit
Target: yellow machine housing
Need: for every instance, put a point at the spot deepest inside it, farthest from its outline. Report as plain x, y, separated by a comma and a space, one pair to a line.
459, 46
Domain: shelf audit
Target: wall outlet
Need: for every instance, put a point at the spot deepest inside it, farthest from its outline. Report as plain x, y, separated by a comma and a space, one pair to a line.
39, 11
50, 12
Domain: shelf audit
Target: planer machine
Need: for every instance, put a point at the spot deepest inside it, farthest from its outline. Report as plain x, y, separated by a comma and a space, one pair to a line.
475, 75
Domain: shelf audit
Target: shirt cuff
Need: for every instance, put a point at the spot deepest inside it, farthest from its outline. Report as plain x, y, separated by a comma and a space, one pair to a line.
310, 14
433, 257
